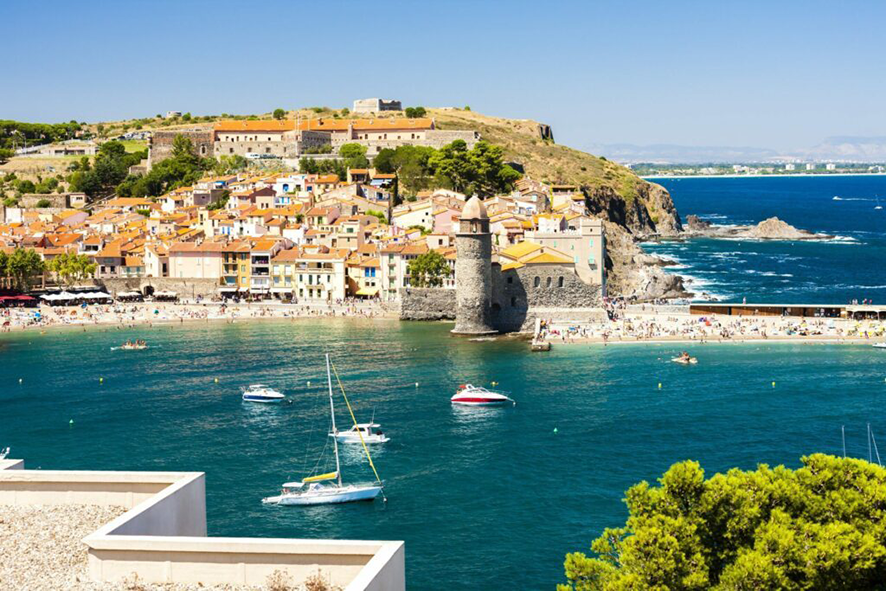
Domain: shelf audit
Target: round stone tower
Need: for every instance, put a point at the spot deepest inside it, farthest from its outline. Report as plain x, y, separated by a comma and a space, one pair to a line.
473, 271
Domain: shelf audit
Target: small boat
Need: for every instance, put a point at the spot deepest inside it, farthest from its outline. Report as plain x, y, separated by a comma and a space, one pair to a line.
318, 490
880, 345
132, 346
365, 432
262, 393
685, 360
470, 395
4, 453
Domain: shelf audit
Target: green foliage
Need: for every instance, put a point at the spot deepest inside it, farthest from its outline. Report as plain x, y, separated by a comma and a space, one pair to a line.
345, 112
822, 526
230, 164
279, 114
186, 117
354, 156
109, 169
467, 108
43, 203
10, 202
220, 202
6, 154
321, 149
428, 269
479, 170
25, 186
415, 112
20, 266
424, 231
20, 134
382, 218
143, 212
71, 267
182, 168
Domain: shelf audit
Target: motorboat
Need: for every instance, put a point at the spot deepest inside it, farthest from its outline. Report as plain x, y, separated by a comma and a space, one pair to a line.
364, 432
328, 489
880, 345
470, 395
4, 453
263, 394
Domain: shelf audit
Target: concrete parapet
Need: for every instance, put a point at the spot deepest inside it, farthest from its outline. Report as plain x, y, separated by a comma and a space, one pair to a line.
162, 536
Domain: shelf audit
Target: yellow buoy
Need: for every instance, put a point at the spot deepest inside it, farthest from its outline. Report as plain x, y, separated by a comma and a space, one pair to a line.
216, 380
659, 385
101, 380
773, 384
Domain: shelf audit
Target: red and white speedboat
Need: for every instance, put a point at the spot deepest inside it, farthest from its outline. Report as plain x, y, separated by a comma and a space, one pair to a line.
470, 395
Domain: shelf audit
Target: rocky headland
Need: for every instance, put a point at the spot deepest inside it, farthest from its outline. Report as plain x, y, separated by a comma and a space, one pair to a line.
769, 229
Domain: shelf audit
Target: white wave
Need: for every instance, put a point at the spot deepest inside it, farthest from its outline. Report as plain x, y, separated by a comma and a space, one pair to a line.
843, 239
852, 199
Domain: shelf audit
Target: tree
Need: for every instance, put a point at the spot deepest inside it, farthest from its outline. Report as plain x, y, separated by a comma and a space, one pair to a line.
818, 527
44, 203
6, 154
415, 112
428, 270
21, 265
71, 267
279, 114
186, 116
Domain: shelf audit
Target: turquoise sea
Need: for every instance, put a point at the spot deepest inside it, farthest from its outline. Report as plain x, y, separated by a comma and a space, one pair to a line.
485, 499
851, 266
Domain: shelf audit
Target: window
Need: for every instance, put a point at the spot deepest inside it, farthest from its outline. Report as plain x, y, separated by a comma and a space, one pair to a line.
536, 282
230, 150
550, 281
267, 150
510, 279
560, 282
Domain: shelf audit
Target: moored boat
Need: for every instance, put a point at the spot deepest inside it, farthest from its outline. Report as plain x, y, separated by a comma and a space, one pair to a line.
470, 395
365, 432
263, 394
328, 489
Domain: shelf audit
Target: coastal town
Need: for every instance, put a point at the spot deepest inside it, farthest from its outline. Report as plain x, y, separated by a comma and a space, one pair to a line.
315, 240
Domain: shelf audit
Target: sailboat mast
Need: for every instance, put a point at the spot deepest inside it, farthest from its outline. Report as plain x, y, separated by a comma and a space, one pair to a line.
332, 414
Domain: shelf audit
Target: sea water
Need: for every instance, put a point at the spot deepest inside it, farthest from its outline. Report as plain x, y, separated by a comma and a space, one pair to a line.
484, 498
850, 266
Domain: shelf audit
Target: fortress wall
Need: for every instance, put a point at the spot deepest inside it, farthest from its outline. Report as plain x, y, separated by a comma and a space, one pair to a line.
160, 147
427, 303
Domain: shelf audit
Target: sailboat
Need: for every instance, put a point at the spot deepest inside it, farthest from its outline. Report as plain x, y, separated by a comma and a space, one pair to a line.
878, 206
328, 489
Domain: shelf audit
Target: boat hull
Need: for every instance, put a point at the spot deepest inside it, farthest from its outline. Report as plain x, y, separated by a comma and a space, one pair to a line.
370, 439
482, 401
262, 399
347, 495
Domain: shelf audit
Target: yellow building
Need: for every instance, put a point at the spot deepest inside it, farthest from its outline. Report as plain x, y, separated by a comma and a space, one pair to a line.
236, 269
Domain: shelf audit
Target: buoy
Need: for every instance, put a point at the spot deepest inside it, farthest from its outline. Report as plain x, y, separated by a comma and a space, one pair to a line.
495, 383
101, 380
216, 380
19, 380
555, 430
71, 422
416, 384
773, 384
659, 385
309, 382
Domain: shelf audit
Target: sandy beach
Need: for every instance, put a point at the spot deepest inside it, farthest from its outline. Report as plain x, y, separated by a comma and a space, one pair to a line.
669, 326
127, 315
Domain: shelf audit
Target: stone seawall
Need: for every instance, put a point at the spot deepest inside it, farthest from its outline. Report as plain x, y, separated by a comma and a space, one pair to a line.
427, 303
185, 288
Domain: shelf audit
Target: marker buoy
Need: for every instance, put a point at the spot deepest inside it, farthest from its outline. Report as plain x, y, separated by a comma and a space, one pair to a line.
555, 430
309, 382
216, 380
659, 385
71, 422
773, 384
416, 384
19, 380
101, 380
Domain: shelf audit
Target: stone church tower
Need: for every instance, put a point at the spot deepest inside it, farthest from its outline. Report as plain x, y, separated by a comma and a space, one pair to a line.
473, 271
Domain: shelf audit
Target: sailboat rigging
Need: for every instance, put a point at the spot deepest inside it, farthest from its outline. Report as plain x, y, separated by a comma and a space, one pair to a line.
317, 490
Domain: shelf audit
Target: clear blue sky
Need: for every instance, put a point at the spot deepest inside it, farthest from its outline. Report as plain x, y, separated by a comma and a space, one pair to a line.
767, 74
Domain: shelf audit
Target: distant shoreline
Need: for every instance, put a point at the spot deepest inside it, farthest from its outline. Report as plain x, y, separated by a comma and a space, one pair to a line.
757, 176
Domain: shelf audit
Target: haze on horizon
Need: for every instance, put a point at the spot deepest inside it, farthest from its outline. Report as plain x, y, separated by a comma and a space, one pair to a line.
780, 76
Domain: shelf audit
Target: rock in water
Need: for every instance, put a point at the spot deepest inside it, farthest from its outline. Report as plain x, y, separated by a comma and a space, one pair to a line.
776, 229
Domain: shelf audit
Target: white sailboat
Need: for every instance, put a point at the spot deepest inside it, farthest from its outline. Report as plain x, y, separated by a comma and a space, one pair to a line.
327, 489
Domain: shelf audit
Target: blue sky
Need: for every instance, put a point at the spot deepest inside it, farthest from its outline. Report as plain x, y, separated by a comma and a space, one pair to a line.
776, 75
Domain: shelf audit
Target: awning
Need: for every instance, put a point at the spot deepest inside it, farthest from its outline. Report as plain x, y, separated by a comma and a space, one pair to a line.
165, 294
227, 289
281, 290
367, 291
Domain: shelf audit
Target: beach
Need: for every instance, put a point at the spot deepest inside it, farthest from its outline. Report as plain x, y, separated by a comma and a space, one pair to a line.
124, 315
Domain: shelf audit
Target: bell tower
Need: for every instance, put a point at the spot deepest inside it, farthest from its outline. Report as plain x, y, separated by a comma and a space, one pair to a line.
473, 271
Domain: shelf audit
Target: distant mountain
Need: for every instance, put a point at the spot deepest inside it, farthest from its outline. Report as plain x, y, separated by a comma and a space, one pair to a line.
837, 148
676, 154
848, 148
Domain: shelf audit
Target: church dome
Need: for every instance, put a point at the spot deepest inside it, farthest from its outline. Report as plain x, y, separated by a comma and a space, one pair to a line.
474, 210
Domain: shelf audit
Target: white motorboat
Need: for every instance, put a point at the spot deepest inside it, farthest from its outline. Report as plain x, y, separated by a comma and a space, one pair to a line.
263, 394
470, 395
880, 345
365, 432
328, 489
4, 453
